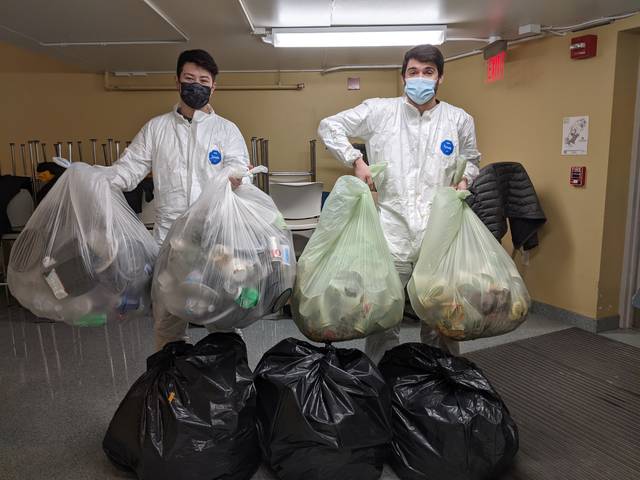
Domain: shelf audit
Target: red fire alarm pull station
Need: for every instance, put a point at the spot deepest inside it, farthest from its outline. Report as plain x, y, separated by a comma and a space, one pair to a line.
578, 176
584, 47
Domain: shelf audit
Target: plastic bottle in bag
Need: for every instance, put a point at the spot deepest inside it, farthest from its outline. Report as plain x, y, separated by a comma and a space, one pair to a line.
83, 256
227, 260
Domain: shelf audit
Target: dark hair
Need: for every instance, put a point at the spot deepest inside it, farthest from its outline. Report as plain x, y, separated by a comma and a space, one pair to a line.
200, 58
424, 54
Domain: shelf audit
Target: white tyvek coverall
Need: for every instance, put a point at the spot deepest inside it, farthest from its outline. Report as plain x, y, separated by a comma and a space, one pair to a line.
421, 153
183, 156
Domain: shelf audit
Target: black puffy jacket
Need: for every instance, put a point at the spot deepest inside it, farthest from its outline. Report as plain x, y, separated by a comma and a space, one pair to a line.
504, 191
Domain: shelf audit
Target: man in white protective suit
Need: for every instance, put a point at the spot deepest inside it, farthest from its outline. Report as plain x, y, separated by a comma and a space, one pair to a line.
421, 139
185, 149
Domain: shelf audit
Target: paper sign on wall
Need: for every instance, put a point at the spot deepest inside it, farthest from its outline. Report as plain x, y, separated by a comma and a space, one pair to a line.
575, 135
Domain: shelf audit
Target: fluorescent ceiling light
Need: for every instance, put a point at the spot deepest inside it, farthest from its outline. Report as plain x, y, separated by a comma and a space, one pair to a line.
399, 36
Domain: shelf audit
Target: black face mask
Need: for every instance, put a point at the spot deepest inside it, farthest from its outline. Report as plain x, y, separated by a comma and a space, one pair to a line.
194, 94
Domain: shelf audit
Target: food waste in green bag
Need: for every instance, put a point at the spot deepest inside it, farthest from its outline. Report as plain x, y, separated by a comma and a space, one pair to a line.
464, 284
347, 284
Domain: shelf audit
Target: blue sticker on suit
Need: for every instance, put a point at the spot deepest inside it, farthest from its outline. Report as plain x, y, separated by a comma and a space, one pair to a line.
215, 157
447, 147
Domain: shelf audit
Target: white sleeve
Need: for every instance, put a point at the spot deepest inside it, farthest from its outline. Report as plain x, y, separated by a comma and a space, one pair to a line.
135, 162
236, 155
336, 130
469, 150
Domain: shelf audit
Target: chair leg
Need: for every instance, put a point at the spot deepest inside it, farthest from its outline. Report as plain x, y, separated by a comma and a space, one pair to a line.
4, 272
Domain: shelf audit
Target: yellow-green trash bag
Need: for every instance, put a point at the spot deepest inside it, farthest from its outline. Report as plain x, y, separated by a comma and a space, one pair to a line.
464, 284
347, 286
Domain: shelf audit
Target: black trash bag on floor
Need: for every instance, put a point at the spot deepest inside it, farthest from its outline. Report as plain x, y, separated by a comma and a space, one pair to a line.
191, 416
449, 423
323, 413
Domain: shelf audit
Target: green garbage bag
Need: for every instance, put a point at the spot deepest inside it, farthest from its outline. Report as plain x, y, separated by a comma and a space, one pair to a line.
464, 284
347, 286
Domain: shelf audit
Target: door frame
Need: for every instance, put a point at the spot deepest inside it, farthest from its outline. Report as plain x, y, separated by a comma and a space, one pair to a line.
630, 281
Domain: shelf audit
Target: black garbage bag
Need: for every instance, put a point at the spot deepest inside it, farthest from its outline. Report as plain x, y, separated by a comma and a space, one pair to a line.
191, 416
449, 423
323, 413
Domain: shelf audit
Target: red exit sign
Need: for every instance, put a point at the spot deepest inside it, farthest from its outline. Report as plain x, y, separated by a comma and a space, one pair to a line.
495, 67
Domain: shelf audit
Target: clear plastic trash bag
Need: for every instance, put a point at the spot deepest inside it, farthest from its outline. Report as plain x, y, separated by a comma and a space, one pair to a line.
83, 257
347, 284
228, 260
464, 284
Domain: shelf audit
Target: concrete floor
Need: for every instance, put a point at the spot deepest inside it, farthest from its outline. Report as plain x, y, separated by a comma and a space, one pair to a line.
629, 336
61, 386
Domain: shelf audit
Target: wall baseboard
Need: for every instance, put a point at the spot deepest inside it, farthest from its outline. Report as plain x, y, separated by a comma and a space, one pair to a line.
593, 325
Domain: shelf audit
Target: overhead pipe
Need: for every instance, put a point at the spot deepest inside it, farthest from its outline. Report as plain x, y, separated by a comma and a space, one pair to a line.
596, 22
343, 68
170, 88
146, 73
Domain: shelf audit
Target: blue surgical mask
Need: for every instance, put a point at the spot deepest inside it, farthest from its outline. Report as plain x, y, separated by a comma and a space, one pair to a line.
420, 90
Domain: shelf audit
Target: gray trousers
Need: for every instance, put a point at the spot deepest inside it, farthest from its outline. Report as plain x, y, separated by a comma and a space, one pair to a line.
169, 328
378, 343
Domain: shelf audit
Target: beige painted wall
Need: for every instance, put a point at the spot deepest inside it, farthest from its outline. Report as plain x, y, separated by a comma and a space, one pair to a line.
289, 118
620, 149
50, 102
47, 100
520, 119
